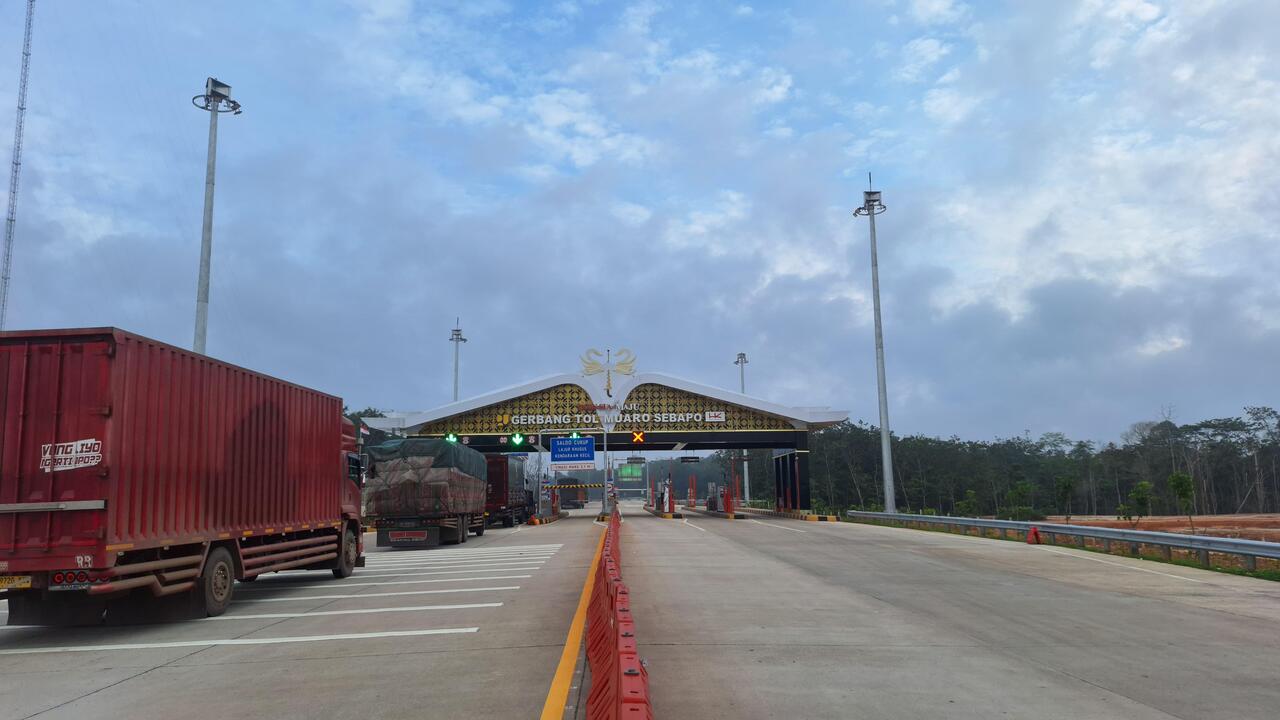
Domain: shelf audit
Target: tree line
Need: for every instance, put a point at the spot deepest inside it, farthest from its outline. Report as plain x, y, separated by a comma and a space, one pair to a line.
1223, 465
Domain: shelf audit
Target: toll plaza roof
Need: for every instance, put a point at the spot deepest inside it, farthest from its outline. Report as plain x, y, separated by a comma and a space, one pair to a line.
642, 400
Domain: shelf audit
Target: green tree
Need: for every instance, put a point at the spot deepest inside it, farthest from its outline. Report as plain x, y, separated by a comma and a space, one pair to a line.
1065, 489
1020, 495
968, 507
1140, 501
1184, 490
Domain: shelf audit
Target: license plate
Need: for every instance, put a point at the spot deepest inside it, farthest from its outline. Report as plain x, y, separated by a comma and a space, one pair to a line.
15, 582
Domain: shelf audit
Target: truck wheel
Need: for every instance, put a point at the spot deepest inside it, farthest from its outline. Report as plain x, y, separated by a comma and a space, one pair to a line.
509, 521
348, 556
480, 529
462, 528
218, 581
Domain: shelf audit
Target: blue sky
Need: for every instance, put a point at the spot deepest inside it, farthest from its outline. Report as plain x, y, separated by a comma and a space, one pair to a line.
1082, 196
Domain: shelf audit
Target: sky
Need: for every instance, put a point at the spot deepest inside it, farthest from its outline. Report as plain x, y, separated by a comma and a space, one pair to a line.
1083, 197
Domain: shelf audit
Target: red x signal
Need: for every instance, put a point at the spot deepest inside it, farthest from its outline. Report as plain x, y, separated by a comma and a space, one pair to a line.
637, 437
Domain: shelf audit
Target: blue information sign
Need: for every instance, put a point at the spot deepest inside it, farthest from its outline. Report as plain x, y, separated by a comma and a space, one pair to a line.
573, 450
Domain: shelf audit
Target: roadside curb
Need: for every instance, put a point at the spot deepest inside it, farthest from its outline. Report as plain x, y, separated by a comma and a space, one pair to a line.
663, 515
548, 519
810, 517
717, 513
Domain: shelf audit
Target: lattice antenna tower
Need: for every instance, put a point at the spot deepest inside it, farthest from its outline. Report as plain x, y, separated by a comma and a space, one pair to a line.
11, 217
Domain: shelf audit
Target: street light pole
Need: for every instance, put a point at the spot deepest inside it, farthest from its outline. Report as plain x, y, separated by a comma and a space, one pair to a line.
741, 362
871, 207
215, 100
457, 340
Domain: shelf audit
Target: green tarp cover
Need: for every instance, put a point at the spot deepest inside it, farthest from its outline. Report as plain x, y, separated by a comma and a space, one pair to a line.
445, 454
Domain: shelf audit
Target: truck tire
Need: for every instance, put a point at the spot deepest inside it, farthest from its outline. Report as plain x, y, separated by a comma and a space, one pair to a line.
217, 583
347, 555
509, 521
463, 520
480, 529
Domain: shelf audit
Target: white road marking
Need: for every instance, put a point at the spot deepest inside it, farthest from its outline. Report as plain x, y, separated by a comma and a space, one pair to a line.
524, 566
470, 551
780, 527
1127, 567
264, 616
330, 586
460, 556
695, 527
238, 641
461, 566
464, 557
428, 555
457, 563
303, 598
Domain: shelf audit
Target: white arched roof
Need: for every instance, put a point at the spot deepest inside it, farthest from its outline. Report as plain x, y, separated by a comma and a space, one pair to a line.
800, 417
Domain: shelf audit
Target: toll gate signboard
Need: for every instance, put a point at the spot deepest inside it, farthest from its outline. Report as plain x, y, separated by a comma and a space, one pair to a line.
569, 454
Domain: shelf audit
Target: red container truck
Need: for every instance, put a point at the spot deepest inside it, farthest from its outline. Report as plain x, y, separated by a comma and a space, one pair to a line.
130, 468
506, 500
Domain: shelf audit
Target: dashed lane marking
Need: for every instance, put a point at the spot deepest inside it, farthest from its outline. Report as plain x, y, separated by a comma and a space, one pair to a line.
695, 527
239, 641
264, 616
303, 598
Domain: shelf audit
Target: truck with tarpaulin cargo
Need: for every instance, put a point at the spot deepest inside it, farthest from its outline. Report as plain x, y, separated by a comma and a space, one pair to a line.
571, 493
132, 470
506, 499
422, 492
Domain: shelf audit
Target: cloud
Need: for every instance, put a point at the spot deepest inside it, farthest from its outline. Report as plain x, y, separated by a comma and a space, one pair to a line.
711, 230
947, 106
937, 12
919, 55
1096, 238
774, 85
1163, 342
566, 124
631, 213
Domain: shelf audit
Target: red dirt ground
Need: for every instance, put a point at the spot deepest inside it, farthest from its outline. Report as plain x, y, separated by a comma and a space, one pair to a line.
1249, 527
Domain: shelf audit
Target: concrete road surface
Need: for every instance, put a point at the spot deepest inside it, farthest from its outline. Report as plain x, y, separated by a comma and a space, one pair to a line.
470, 631
776, 618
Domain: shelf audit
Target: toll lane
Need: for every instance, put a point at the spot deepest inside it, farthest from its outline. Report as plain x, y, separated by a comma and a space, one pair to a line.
816, 620
472, 630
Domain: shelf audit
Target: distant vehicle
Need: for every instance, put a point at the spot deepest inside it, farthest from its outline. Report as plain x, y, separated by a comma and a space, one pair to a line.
572, 498
132, 469
423, 492
506, 500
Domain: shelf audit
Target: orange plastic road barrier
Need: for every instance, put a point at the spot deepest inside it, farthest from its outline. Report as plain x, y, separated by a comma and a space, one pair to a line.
619, 681
1033, 536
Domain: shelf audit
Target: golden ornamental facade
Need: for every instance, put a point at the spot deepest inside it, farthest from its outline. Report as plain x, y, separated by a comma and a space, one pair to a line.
648, 407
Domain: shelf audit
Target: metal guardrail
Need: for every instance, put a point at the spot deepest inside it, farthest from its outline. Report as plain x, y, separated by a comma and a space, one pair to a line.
1202, 545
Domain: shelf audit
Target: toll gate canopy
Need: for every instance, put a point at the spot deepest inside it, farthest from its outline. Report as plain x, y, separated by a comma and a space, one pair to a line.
637, 411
